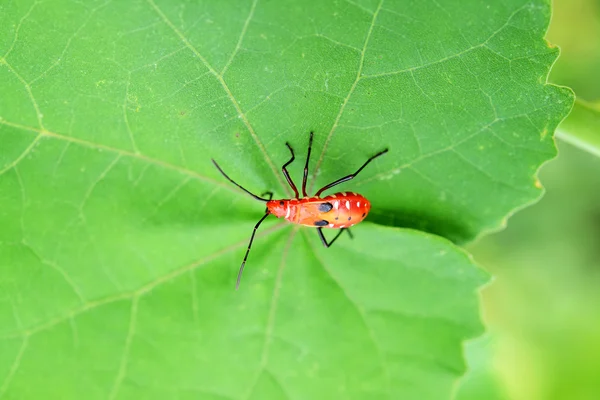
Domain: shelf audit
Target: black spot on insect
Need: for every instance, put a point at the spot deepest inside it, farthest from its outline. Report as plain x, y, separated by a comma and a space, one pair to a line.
349, 218
324, 207
364, 214
336, 218
281, 203
321, 223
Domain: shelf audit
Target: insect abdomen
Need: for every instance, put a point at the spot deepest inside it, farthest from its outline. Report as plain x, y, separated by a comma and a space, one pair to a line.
340, 210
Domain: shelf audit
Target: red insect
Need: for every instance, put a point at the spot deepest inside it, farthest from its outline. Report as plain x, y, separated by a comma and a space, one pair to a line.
338, 211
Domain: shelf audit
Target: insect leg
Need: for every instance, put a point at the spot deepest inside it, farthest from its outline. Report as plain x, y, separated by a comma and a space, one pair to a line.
351, 176
239, 277
324, 241
287, 174
270, 197
306, 165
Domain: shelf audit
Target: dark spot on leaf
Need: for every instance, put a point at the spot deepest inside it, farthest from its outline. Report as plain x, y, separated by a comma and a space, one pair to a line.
321, 223
324, 207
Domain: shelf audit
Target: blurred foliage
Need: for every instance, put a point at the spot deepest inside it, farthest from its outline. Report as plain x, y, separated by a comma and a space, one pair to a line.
544, 302
543, 305
575, 28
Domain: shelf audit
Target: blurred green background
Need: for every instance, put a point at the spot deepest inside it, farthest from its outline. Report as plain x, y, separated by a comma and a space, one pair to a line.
543, 308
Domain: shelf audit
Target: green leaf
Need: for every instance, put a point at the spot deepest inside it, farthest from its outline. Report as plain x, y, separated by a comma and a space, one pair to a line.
120, 242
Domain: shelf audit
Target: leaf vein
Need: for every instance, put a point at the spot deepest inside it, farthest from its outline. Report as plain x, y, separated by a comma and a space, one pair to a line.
227, 90
484, 44
240, 39
361, 314
21, 156
95, 183
27, 87
350, 92
412, 163
264, 358
68, 44
67, 278
148, 287
139, 156
126, 116
18, 28
15, 365
126, 349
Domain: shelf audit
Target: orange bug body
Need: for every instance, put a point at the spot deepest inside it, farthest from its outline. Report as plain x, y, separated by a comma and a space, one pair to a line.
338, 211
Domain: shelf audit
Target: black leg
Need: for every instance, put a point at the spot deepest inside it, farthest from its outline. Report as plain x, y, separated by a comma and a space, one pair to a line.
287, 174
324, 241
270, 197
306, 165
351, 176
239, 277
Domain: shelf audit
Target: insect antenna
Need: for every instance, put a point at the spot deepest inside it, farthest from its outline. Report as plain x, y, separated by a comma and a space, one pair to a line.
240, 186
239, 277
